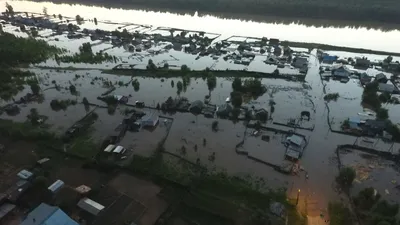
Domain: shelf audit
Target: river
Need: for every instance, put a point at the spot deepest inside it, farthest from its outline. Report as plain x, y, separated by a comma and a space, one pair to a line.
348, 37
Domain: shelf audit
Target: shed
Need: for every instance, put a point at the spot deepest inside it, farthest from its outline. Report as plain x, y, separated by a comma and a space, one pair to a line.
42, 161
56, 186
90, 206
25, 174
109, 148
119, 150
48, 215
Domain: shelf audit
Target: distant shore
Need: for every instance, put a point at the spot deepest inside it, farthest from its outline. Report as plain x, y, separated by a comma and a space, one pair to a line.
384, 19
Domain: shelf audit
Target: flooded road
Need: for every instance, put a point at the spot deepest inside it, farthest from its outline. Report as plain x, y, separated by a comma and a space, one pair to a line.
350, 37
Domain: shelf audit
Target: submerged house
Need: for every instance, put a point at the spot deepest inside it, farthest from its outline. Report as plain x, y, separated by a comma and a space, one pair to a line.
300, 62
329, 58
224, 110
362, 62
341, 72
365, 78
386, 88
196, 107
381, 78
150, 120
374, 127
295, 146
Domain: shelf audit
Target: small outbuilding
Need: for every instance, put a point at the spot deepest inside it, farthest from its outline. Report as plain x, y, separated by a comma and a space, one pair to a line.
25, 174
56, 186
341, 72
150, 120
90, 206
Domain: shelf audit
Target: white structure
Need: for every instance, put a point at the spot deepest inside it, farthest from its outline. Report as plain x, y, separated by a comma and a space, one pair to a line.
90, 206
56, 186
109, 148
119, 150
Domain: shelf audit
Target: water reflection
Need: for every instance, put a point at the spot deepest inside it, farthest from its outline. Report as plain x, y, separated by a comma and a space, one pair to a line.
346, 36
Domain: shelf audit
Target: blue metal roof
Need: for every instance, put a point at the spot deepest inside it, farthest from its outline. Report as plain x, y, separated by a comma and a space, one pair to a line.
356, 120
48, 215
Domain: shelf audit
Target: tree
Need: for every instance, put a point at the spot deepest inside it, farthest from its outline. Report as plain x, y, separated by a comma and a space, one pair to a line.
382, 114
45, 11
388, 59
151, 66
211, 82
85, 101
276, 72
179, 86
35, 89
72, 89
95, 21
60, 17
9, 9
237, 84
78, 19
236, 99
346, 177
185, 68
1, 28
172, 83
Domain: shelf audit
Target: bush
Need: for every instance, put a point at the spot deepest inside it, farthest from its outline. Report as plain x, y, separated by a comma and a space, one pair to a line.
332, 96
211, 82
35, 89
346, 177
72, 89
370, 96
85, 101
151, 65
185, 68
339, 214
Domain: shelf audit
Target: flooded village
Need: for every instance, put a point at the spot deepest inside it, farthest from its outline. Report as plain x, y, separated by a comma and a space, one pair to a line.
129, 123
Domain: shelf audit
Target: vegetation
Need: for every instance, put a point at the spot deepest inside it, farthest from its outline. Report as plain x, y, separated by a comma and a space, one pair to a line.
373, 211
179, 86
85, 55
211, 82
339, 214
331, 96
370, 96
346, 177
29, 50
151, 66
185, 68
251, 85
58, 105
136, 84
236, 99
351, 11
382, 114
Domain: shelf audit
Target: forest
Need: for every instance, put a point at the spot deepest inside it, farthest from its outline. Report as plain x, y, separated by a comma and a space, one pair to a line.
386, 11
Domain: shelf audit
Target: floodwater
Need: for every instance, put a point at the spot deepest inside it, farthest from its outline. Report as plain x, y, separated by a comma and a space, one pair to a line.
350, 37
189, 130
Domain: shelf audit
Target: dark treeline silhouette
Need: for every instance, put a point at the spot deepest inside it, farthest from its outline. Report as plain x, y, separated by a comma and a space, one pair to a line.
382, 15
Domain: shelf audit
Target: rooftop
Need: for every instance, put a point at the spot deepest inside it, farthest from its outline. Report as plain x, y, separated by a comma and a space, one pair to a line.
48, 215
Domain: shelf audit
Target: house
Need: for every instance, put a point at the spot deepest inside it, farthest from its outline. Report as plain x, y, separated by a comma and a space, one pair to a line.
365, 78
109, 148
121, 99
295, 145
48, 215
271, 59
381, 78
90, 206
374, 127
387, 88
362, 62
119, 150
277, 50
273, 41
150, 120
300, 62
341, 72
